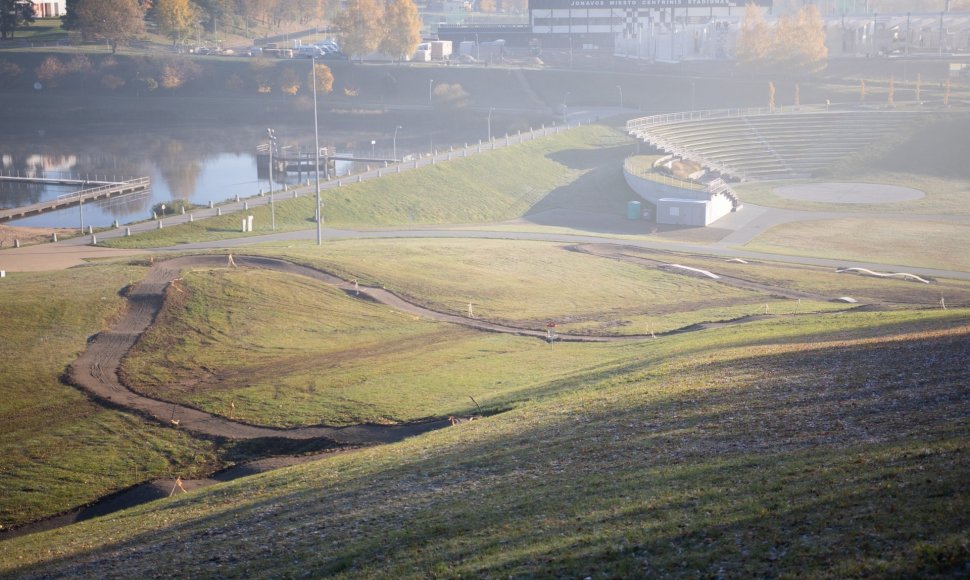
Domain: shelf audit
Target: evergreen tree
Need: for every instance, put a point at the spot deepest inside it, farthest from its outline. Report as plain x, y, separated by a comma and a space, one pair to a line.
14, 15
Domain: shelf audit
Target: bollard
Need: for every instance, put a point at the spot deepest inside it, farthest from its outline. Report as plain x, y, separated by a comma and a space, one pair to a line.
116, 224
249, 221
127, 232
244, 225
246, 206
183, 210
3, 273
398, 168
237, 197
191, 218
159, 224
154, 216
16, 243
90, 229
296, 193
218, 211
380, 173
55, 237
360, 178
94, 240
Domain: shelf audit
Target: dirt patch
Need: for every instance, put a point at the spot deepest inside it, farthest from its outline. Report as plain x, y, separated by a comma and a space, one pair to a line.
849, 193
9, 235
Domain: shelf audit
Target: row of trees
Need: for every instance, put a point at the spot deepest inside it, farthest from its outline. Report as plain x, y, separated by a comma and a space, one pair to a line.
796, 43
365, 26
142, 75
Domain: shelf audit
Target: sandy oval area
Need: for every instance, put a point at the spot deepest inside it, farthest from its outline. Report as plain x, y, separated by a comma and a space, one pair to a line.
849, 192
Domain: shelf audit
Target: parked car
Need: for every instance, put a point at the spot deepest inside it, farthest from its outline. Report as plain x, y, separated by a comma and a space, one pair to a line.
310, 51
335, 55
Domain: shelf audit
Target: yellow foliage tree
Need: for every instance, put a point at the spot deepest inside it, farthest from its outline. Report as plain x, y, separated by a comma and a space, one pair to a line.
401, 29
324, 79
797, 43
754, 38
176, 18
361, 26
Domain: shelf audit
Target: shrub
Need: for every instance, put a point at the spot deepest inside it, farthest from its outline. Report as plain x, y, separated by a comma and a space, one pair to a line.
172, 207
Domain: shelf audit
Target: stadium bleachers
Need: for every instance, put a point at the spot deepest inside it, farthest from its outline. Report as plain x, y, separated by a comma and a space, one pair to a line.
759, 144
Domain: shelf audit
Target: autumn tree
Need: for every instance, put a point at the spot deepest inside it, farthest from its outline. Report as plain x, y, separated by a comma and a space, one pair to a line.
14, 14
360, 25
324, 78
401, 29
796, 44
754, 38
177, 18
114, 21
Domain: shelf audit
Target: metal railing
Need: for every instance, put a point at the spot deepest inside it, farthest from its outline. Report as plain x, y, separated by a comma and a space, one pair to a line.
93, 192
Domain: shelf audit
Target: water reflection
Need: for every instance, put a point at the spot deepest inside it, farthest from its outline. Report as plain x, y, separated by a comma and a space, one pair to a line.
195, 164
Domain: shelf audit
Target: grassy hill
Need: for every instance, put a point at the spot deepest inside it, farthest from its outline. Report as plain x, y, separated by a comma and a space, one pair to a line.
830, 447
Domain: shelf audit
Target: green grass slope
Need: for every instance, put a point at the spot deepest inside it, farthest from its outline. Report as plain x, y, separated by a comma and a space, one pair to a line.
58, 449
830, 447
507, 183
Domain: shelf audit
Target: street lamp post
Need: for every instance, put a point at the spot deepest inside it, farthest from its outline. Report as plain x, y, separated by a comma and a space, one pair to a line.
490, 124
272, 145
395, 143
619, 88
430, 85
316, 155
373, 142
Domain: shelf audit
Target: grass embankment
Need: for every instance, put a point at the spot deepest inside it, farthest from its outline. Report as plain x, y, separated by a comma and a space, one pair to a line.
287, 351
562, 170
529, 284
827, 282
60, 450
921, 244
281, 350
832, 447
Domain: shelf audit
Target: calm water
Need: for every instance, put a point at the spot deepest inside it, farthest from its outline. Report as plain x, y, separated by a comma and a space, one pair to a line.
196, 164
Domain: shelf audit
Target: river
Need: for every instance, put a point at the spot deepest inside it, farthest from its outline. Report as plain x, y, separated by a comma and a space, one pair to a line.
197, 164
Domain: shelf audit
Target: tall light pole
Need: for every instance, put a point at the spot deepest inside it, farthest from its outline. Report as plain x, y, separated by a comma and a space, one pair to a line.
395, 143
373, 142
565, 116
619, 88
272, 205
316, 154
430, 85
490, 124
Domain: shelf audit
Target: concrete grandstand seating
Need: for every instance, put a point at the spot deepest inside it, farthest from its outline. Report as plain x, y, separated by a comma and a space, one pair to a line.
755, 144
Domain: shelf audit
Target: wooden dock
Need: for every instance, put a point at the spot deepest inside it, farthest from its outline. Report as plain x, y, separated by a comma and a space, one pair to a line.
103, 191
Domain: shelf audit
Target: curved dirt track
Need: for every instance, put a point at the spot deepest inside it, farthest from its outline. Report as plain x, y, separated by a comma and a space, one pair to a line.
96, 370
